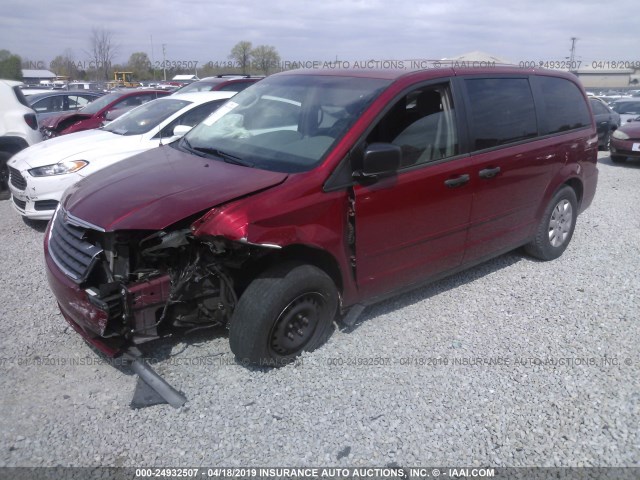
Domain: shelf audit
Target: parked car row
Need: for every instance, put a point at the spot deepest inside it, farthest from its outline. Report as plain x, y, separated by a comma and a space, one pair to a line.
60, 112
40, 174
106, 108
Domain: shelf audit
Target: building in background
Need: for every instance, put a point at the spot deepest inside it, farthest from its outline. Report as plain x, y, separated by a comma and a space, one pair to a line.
36, 77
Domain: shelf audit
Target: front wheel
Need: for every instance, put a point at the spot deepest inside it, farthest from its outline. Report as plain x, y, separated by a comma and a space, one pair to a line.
618, 159
556, 227
285, 311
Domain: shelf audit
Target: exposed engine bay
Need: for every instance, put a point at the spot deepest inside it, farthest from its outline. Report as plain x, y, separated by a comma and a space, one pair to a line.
155, 283
151, 284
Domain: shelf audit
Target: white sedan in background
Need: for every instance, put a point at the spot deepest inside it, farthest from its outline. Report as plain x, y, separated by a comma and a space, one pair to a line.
40, 174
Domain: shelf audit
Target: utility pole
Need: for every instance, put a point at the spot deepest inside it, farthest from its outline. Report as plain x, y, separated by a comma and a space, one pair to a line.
573, 53
164, 61
153, 65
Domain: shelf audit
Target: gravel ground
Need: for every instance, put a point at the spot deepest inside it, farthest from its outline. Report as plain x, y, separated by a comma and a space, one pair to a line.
583, 411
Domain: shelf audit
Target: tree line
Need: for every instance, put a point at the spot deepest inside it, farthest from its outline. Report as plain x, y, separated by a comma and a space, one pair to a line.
98, 62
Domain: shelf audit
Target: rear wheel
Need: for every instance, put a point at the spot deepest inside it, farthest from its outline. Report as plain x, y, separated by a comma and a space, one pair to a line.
556, 227
285, 311
4, 176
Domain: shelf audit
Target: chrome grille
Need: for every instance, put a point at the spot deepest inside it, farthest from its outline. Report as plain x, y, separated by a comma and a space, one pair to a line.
69, 248
17, 180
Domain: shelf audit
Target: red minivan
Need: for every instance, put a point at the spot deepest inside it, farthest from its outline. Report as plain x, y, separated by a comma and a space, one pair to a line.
312, 194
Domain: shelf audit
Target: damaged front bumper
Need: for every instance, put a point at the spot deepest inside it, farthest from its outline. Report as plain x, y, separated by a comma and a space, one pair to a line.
125, 288
86, 318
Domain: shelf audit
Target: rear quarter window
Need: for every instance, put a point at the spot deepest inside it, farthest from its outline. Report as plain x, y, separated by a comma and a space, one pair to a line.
598, 108
563, 105
502, 111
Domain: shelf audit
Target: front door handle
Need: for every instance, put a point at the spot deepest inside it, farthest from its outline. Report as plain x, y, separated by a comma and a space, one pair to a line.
489, 172
458, 181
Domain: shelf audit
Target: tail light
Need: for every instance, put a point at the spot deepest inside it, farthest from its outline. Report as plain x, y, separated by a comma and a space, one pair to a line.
31, 120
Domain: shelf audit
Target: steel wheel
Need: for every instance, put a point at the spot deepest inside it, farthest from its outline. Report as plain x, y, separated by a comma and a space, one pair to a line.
297, 323
560, 223
286, 310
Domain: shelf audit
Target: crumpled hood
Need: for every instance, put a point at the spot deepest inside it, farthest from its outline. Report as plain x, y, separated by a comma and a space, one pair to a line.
159, 187
52, 122
94, 143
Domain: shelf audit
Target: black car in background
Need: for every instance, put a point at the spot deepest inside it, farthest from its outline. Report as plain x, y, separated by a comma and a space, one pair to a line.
56, 102
606, 121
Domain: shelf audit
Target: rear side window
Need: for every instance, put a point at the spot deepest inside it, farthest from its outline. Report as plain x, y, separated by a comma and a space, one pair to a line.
564, 106
598, 108
49, 104
502, 111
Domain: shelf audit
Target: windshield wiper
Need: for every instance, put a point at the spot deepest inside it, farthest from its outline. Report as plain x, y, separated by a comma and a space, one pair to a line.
188, 146
227, 157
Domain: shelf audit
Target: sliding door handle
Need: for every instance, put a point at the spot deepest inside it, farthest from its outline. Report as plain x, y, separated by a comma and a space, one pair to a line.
489, 172
458, 181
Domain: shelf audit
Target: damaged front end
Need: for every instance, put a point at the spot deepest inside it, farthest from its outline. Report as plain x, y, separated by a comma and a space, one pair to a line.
140, 285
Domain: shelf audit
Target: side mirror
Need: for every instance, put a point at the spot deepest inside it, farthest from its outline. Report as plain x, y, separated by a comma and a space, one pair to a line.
180, 130
381, 159
110, 115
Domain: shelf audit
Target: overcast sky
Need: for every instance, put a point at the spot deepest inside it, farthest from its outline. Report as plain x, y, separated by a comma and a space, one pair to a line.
206, 30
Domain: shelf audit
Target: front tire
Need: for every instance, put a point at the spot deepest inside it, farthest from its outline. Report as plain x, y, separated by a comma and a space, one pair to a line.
618, 159
556, 227
285, 311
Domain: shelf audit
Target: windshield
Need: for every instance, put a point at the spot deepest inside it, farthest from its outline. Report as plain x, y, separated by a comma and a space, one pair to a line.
145, 117
626, 107
97, 105
285, 123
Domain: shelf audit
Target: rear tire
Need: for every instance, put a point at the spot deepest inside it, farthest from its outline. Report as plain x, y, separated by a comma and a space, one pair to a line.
4, 176
285, 311
556, 226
